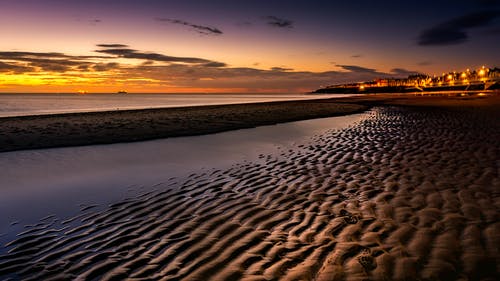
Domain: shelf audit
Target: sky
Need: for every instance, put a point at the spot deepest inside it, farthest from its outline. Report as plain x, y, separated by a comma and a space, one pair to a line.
237, 46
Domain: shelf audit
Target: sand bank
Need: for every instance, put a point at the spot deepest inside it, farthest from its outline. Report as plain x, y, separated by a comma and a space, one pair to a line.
44, 131
409, 193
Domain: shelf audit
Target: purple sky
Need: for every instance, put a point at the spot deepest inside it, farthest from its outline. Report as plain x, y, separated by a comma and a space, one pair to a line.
243, 46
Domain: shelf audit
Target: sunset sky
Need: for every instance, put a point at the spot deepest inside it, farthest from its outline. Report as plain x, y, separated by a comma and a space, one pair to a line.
236, 46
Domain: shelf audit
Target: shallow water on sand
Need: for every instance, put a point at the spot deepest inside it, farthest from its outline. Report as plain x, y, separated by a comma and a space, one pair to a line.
61, 181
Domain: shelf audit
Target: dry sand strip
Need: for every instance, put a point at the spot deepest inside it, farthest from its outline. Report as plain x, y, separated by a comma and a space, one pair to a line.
409, 193
43, 131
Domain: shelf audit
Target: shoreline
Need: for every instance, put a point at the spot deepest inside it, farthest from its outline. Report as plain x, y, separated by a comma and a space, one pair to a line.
52, 104
107, 127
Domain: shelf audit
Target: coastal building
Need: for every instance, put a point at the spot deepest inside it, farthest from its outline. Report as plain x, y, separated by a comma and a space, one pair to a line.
479, 79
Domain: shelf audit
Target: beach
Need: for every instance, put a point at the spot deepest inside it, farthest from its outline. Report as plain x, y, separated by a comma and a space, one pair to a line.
107, 127
411, 191
73, 129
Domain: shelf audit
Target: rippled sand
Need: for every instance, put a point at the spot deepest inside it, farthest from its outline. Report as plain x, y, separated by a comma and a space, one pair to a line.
409, 193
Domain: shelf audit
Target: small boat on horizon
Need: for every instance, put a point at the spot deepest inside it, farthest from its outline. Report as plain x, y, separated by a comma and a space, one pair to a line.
122, 92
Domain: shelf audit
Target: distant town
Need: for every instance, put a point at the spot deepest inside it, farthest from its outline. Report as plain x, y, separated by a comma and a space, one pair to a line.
468, 80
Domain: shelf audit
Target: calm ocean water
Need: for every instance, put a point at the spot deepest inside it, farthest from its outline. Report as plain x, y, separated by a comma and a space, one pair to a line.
34, 104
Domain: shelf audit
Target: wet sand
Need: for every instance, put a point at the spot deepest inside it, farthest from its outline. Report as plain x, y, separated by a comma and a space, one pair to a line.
74, 129
408, 193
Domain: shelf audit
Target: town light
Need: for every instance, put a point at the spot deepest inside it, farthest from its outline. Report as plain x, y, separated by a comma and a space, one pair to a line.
463, 75
450, 77
481, 72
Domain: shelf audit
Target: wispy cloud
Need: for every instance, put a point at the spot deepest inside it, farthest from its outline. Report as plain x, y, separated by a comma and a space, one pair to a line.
52, 62
278, 22
202, 29
134, 54
112, 45
277, 68
455, 31
58, 62
401, 72
15, 55
373, 73
105, 66
215, 64
7, 67
356, 68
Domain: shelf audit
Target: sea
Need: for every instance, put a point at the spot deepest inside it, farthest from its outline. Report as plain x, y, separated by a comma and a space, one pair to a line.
37, 104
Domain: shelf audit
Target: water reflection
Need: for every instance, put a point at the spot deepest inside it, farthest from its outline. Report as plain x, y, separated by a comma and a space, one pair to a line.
57, 181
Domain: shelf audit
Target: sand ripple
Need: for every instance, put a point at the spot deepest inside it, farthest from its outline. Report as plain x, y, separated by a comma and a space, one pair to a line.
406, 194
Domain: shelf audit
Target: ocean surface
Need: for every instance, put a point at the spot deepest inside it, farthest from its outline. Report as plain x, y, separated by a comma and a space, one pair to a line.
35, 104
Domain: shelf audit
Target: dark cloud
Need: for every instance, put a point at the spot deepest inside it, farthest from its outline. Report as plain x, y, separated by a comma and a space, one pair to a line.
52, 66
205, 30
21, 62
401, 72
112, 45
215, 64
455, 31
278, 22
105, 66
276, 68
148, 62
54, 62
83, 67
47, 61
355, 68
16, 55
51, 62
51, 55
356, 56
360, 73
134, 54
7, 67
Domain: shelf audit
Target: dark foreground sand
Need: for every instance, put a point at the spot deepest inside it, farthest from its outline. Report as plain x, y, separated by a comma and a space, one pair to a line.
409, 193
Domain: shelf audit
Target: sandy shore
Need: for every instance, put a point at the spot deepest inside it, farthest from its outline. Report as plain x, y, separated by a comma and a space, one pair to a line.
409, 193
29, 132
58, 130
